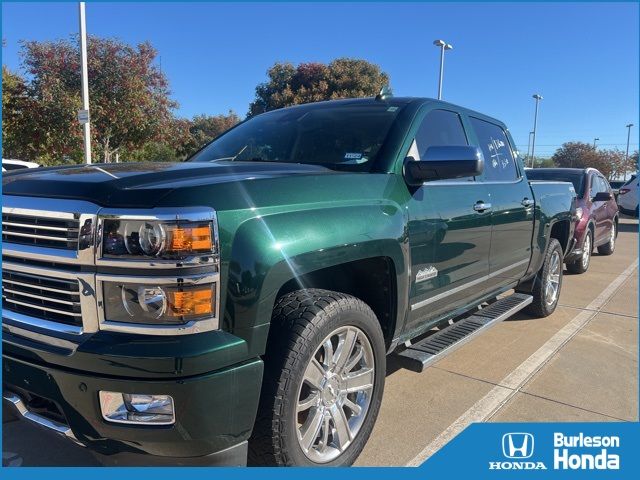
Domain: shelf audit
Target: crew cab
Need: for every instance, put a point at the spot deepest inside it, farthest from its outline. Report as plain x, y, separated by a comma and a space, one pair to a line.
241, 305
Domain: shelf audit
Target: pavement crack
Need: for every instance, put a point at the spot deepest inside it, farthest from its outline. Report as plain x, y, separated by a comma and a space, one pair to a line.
542, 397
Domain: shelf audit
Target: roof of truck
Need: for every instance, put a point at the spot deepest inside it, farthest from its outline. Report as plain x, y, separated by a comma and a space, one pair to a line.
400, 101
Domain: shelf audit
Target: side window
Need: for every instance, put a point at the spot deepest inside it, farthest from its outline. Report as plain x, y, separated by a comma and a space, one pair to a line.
598, 185
438, 128
499, 163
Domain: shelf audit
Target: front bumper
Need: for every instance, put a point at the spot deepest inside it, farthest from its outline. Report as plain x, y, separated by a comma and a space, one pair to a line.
215, 412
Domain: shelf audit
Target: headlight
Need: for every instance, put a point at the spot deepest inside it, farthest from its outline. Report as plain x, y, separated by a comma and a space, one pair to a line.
157, 239
579, 213
151, 304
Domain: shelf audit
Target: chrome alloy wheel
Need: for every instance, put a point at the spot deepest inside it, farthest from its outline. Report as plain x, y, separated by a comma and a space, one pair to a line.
335, 394
586, 252
552, 288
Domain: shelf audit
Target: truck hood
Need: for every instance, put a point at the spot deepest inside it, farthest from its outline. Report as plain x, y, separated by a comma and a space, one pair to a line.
140, 185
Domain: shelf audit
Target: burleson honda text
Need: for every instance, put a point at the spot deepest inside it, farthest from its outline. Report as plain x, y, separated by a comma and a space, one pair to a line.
570, 452
240, 306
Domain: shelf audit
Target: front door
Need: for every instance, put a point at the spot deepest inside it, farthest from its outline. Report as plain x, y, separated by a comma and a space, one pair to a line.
449, 237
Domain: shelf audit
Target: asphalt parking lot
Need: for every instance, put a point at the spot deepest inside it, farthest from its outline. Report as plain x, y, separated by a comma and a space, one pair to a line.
580, 364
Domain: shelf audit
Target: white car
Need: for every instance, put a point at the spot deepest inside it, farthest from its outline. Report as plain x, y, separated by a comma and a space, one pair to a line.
628, 197
9, 165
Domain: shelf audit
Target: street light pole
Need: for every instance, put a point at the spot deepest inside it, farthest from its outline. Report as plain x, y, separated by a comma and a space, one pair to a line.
443, 46
529, 148
83, 116
537, 97
594, 142
628, 139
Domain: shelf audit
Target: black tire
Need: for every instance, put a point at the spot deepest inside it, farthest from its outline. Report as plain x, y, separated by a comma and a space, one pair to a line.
578, 265
301, 322
540, 307
609, 247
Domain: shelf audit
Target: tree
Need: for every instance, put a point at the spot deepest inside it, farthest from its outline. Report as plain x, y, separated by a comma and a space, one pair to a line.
583, 155
204, 128
314, 82
611, 163
14, 106
618, 163
130, 104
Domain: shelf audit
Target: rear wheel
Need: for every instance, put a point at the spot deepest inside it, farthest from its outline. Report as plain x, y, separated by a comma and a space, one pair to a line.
548, 282
581, 265
324, 378
610, 246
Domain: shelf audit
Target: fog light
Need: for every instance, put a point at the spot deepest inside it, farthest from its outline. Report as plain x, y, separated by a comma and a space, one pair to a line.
137, 409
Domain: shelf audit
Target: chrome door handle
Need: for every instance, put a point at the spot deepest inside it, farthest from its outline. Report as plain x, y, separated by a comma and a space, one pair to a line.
481, 207
528, 203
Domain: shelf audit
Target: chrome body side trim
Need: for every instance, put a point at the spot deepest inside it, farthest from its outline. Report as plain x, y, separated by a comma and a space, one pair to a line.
39, 337
21, 408
470, 284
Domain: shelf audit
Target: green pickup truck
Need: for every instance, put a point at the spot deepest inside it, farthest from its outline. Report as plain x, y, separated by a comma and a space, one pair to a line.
240, 307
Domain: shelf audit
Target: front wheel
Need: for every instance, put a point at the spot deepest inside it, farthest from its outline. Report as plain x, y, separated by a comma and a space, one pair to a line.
324, 378
548, 282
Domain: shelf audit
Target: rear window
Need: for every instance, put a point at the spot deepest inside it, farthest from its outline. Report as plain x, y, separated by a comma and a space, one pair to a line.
549, 175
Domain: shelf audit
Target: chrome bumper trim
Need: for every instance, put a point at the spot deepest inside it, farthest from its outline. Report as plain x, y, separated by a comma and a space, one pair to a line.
21, 408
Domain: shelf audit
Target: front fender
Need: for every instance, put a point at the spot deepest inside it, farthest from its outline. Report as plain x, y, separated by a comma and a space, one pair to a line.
270, 250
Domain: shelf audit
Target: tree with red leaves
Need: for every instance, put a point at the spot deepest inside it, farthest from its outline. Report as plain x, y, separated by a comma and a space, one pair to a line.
129, 95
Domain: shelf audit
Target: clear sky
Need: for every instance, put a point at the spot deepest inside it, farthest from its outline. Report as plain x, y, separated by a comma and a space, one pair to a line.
582, 57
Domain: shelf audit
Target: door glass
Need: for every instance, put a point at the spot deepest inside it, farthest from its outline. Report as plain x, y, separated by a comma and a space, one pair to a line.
499, 162
438, 128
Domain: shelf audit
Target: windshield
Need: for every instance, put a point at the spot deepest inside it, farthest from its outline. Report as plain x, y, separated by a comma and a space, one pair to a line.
577, 178
341, 136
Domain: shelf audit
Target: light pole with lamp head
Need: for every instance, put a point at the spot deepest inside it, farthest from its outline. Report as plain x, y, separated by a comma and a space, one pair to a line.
443, 46
594, 142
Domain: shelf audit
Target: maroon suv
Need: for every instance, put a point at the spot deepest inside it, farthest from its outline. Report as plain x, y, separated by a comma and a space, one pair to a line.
597, 213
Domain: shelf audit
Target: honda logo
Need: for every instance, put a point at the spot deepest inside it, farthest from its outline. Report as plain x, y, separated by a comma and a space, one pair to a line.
517, 445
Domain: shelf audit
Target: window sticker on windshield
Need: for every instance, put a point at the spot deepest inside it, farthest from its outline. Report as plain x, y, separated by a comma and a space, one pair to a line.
354, 158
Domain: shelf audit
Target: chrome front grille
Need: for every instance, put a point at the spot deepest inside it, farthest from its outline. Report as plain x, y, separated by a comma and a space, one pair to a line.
43, 297
51, 269
41, 231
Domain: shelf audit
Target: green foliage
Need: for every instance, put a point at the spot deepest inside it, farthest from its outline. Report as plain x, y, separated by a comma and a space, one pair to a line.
152, 152
130, 103
204, 128
14, 107
611, 163
314, 82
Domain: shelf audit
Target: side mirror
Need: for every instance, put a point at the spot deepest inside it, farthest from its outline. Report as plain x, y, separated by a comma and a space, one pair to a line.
602, 197
444, 162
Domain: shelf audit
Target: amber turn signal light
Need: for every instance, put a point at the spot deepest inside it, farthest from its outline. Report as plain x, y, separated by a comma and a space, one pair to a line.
195, 301
190, 239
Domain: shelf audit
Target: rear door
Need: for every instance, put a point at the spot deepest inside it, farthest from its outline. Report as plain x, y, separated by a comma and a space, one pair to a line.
512, 205
601, 214
449, 239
